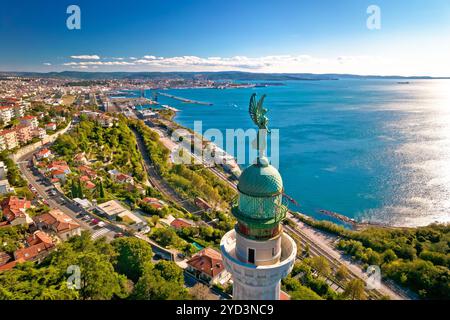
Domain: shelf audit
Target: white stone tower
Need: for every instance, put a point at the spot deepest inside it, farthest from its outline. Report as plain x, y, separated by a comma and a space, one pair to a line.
257, 253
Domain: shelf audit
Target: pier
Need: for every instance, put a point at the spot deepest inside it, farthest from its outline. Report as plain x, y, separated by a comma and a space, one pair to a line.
184, 99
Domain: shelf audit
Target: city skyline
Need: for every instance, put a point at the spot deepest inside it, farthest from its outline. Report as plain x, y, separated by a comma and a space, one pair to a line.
294, 37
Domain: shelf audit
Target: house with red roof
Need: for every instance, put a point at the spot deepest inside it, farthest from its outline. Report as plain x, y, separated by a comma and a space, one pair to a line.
207, 265
85, 170
14, 210
58, 222
58, 170
39, 245
154, 203
180, 223
50, 126
29, 120
43, 154
89, 185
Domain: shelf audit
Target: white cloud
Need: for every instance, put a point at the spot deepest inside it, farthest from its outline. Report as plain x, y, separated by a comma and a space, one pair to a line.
358, 64
47, 64
86, 57
80, 67
99, 63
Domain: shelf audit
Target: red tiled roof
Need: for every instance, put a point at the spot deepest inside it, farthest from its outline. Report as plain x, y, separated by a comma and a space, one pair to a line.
14, 207
11, 264
207, 261
122, 177
29, 117
38, 237
58, 220
284, 295
181, 223
89, 185
43, 152
32, 252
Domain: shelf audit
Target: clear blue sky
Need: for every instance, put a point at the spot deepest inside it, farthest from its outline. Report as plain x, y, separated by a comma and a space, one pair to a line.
269, 36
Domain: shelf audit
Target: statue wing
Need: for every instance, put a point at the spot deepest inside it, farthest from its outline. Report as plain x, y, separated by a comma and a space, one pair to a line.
253, 109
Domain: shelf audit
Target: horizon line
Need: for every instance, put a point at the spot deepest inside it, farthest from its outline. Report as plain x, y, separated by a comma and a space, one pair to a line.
237, 71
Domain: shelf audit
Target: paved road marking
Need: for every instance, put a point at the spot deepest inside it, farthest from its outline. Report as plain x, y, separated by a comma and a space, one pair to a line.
99, 233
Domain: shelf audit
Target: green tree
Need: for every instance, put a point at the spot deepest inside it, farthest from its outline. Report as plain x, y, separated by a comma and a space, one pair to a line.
304, 293
101, 190
321, 265
354, 290
342, 273
133, 254
79, 189
153, 285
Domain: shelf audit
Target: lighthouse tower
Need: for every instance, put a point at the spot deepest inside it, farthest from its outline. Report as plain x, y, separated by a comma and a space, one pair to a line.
257, 253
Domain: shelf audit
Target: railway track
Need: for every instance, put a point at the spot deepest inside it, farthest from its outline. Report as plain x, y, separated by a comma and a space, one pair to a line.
335, 264
157, 181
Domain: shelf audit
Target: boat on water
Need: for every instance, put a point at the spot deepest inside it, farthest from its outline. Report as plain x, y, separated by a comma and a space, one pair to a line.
403, 82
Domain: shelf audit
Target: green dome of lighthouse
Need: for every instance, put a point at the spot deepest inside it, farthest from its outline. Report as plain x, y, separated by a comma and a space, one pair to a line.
260, 180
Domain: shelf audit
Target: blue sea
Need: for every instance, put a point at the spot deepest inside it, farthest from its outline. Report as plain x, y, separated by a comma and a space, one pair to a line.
372, 150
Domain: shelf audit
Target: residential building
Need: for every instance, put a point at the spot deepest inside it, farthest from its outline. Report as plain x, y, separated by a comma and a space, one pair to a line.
39, 245
113, 210
154, 203
50, 126
180, 223
40, 133
29, 120
9, 140
14, 210
58, 222
44, 153
6, 114
3, 170
120, 177
202, 204
5, 187
207, 265
24, 134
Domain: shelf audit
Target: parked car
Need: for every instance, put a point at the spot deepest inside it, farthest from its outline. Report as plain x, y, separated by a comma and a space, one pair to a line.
101, 224
118, 235
95, 221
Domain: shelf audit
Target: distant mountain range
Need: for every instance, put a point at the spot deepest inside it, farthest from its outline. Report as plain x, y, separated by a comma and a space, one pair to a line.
221, 75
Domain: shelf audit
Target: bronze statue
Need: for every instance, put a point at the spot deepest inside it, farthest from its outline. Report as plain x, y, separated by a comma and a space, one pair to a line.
258, 113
